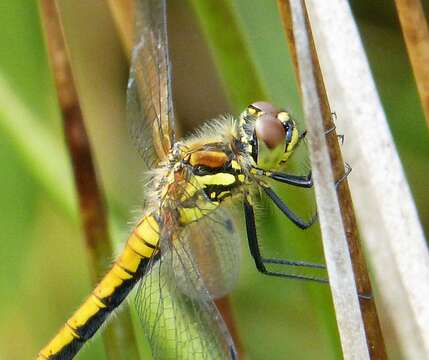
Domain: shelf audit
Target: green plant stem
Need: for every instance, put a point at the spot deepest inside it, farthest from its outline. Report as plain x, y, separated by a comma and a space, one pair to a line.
230, 52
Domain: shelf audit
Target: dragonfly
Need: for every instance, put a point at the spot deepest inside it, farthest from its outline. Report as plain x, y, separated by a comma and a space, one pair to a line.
184, 251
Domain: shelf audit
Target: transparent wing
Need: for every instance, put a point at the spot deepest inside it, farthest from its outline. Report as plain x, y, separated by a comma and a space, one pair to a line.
213, 244
149, 103
174, 300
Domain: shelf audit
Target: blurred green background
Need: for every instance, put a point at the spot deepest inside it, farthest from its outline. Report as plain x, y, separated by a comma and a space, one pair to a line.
43, 264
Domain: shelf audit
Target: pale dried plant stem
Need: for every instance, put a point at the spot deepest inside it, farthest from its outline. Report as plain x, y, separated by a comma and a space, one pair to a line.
384, 206
416, 35
367, 304
341, 277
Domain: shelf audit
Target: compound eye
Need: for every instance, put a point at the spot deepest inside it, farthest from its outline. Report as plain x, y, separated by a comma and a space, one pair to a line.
262, 107
270, 130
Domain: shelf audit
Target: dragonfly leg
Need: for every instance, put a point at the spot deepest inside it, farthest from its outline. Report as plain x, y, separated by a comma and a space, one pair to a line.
232, 353
292, 263
305, 181
260, 261
327, 132
348, 170
302, 224
302, 136
301, 181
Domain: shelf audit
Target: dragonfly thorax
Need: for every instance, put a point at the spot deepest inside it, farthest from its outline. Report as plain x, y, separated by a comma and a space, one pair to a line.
271, 134
211, 177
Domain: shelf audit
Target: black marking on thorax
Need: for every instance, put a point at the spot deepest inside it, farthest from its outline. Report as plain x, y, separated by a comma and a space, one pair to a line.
219, 192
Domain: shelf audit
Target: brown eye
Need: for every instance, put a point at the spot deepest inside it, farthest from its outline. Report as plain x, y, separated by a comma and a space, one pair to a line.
265, 107
270, 130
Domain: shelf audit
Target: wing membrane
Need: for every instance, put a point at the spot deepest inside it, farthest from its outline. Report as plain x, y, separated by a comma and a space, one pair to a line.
180, 326
149, 99
213, 244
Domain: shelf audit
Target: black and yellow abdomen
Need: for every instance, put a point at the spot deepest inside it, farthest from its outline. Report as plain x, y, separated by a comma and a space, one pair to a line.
214, 176
109, 293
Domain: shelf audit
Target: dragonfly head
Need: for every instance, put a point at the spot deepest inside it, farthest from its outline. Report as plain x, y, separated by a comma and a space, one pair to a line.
271, 133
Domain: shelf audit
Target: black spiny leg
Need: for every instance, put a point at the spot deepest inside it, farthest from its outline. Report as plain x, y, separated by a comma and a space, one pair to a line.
305, 181
288, 212
295, 180
260, 261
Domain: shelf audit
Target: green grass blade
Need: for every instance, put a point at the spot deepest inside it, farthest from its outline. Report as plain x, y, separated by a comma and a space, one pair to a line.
224, 36
36, 145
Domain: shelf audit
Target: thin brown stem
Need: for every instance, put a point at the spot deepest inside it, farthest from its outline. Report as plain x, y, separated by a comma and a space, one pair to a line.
225, 308
119, 339
416, 35
371, 322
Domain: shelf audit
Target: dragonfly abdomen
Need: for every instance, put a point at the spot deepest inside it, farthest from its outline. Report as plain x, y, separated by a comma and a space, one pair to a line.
109, 293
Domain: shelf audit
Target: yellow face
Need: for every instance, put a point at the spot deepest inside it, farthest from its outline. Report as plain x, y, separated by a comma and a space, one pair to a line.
274, 134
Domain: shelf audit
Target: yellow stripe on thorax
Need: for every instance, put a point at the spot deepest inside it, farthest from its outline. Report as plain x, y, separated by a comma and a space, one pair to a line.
198, 182
202, 208
220, 178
